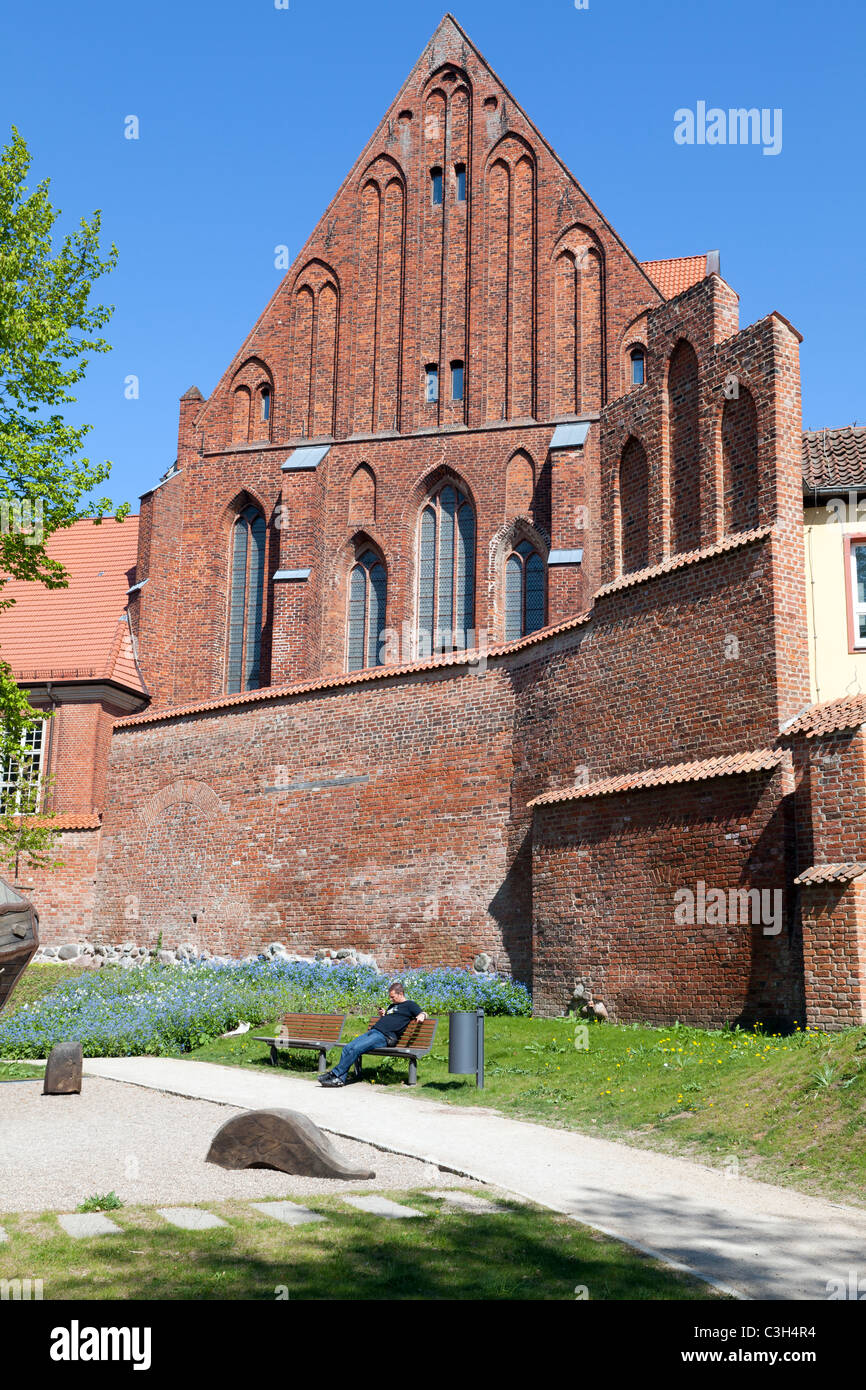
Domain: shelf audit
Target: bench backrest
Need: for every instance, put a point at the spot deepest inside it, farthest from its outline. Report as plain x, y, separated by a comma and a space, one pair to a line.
417, 1035
324, 1027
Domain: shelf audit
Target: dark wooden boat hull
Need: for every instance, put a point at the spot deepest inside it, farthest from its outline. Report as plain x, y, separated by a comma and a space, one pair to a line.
19, 938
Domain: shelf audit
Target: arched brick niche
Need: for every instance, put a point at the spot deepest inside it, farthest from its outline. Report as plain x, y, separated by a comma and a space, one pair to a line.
519, 484
510, 218
578, 320
739, 435
315, 318
362, 495
685, 462
379, 317
252, 402
633, 507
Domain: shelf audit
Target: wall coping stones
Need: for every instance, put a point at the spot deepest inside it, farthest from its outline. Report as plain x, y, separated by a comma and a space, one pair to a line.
831, 873
688, 557
759, 760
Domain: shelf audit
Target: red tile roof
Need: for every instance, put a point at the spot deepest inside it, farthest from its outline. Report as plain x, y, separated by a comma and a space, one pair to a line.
672, 277
370, 673
828, 717
80, 632
757, 761
688, 557
834, 458
71, 821
831, 873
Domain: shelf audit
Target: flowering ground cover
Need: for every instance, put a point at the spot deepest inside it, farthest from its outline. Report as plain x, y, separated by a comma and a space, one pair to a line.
160, 1010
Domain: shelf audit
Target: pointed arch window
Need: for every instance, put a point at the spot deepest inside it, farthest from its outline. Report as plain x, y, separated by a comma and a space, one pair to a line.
446, 576
368, 592
524, 592
246, 603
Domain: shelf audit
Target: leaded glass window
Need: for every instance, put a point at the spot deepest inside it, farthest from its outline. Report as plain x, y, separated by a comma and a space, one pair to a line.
368, 591
524, 592
446, 572
246, 603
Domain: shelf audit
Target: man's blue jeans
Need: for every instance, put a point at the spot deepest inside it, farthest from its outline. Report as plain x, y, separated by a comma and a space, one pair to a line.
374, 1037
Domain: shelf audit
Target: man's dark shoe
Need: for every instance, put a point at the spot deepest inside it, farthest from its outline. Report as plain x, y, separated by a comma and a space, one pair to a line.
331, 1080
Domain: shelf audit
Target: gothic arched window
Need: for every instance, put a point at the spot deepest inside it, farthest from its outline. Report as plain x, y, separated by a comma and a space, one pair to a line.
446, 571
246, 601
524, 592
368, 591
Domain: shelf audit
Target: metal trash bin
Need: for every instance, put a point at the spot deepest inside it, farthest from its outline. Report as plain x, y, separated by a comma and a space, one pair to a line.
466, 1044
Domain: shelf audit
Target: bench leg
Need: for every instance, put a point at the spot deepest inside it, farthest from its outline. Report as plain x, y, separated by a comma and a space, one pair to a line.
413, 1071
273, 1056
357, 1068
323, 1062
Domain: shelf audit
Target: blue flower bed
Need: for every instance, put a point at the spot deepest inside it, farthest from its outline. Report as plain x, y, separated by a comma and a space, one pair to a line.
166, 1009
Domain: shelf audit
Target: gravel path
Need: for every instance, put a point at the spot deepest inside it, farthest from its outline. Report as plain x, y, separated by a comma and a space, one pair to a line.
149, 1147
762, 1241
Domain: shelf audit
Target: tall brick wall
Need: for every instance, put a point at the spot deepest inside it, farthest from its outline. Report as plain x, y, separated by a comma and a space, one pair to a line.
64, 896
392, 813
373, 815
606, 873
834, 954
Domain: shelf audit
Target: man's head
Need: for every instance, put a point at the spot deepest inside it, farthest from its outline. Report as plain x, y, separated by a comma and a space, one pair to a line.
396, 992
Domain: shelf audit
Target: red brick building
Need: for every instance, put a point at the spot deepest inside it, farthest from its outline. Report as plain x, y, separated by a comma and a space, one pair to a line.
73, 651
472, 613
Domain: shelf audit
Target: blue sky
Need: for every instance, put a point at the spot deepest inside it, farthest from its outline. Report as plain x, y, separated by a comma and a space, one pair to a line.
250, 117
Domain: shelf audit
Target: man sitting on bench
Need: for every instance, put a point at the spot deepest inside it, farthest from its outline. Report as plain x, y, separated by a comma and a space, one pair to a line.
385, 1032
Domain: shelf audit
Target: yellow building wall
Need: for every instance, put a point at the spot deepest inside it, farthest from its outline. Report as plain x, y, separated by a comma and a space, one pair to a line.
835, 671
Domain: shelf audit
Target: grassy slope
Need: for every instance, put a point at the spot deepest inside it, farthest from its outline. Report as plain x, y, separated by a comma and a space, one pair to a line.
36, 981
526, 1253
786, 1110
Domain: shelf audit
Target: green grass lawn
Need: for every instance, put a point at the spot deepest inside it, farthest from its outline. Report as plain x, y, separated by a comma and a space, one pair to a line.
38, 980
21, 1071
790, 1110
525, 1253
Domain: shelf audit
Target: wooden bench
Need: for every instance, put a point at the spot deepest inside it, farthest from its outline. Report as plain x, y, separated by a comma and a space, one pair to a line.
416, 1041
320, 1032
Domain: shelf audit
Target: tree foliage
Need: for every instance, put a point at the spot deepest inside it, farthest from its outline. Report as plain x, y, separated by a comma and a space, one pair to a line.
48, 330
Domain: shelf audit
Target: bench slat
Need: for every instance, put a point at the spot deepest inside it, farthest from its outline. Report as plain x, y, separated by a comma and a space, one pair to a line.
325, 1027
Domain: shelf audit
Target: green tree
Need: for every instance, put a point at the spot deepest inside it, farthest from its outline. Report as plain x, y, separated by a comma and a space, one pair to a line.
48, 329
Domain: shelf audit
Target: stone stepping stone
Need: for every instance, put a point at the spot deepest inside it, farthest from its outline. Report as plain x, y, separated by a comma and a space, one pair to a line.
467, 1201
382, 1206
190, 1218
288, 1212
92, 1223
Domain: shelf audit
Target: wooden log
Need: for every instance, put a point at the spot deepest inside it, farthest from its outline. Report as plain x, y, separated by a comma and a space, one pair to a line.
63, 1070
282, 1139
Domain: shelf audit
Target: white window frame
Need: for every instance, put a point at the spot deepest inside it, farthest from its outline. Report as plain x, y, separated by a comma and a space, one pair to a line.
10, 792
858, 610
